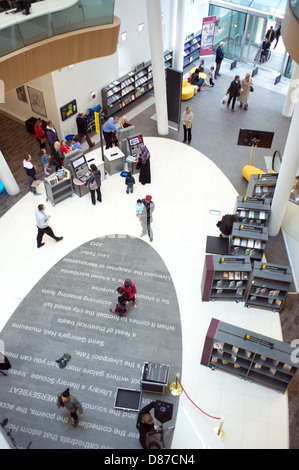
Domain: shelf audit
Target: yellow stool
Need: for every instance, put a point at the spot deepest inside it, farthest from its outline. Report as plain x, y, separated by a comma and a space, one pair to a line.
249, 170
187, 91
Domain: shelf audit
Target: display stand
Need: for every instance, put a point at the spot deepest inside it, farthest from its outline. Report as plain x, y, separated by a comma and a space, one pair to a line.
248, 240
154, 377
248, 355
225, 278
58, 188
269, 285
262, 185
253, 211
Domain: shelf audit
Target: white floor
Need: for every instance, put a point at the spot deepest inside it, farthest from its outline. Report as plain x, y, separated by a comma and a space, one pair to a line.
185, 187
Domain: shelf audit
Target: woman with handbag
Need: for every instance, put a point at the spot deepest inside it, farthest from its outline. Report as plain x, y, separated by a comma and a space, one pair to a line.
39, 134
187, 124
93, 182
246, 88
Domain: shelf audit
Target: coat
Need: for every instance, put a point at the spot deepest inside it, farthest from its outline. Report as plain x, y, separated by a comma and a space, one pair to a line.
234, 88
94, 175
219, 55
51, 136
244, 95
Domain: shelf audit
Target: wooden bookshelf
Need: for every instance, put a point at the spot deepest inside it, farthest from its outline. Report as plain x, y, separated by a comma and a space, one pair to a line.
249, 355
269, 285
128, 88
225, 278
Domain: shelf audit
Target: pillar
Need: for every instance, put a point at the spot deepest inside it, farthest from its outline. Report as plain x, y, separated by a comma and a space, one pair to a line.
287, 173
292, 92
157, 56
7, 178
180, 35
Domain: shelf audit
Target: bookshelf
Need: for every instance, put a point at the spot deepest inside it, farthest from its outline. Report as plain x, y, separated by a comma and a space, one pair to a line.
253, 211
58, 189
249, 355
192, 48
248, 240
262, 185
269, 285
225, 277
125, 90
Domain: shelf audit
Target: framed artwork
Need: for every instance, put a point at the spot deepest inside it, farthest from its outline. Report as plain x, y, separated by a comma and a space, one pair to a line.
21, 94
68, 110
36, 98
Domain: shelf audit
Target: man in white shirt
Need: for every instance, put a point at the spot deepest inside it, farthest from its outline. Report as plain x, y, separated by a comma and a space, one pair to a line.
42, 222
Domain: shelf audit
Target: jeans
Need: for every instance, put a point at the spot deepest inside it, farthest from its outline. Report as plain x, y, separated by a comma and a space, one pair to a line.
234, 101
30, 181
93, 195
129, 187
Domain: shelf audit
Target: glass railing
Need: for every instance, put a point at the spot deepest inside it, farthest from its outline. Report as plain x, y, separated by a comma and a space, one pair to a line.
49, 18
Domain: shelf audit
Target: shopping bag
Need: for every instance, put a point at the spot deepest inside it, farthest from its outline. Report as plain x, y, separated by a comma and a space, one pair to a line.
224, 100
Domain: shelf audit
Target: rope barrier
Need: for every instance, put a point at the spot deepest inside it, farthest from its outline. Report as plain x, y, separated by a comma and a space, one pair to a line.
214, 417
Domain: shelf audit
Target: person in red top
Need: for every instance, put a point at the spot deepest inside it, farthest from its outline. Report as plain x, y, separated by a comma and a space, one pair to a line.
64, 148
130, 288
39, 134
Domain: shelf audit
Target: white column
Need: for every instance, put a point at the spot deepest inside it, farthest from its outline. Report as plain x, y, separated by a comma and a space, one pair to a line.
157, 56
287, 173
292, 92
7, 178
180, 35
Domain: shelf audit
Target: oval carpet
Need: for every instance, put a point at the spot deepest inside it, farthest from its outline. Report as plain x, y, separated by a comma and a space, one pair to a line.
68, 312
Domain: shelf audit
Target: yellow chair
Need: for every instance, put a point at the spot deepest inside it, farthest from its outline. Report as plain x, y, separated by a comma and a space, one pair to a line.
249, 170
187, 91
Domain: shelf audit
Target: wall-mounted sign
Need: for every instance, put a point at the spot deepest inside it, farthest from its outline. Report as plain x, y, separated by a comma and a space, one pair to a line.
68, 110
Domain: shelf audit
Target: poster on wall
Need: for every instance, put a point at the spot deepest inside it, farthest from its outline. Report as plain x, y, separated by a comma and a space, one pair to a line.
36, 98
207, 36
68, 110
21, 94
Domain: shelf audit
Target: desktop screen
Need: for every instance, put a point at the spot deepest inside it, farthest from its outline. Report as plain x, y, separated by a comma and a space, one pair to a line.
135, 141
78, 161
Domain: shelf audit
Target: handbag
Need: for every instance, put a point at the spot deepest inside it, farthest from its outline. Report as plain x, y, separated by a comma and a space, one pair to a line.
93, 185
251, 88
188, 125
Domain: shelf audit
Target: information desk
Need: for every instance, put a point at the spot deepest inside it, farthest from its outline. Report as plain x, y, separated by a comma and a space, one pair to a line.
114, 160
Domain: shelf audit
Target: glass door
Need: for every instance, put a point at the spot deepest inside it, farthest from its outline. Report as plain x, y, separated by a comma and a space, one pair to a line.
253, 37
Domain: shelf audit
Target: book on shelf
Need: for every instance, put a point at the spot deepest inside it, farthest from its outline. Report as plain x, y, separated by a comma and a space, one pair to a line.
236, 366
224, 362
232, 284
278, 302
263, 358
272, 370
239, 284
257, 244
225, 275
231, 275
219, 283
257, 365
234, 357
262, 215
236, 241
218, 345
274, 293
247, 354
235, 349
287, 367
219, 291
244, 276
214, 359
244, 242
275, 362
239, 292
237, 275
250, 243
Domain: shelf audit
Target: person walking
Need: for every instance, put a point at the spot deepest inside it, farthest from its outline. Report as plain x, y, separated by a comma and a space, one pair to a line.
130, 181
70, 402
146, 217
93, 182
108, 128
130, 288
270, 35
82, 130
42, 222
122, 301
219, 58
39, 134
145, 166
211, 76
187, 124
277, 35
31, 174
246, 88
51, 135
234, 91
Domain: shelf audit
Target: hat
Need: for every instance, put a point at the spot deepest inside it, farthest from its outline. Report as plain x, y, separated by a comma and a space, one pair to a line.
148, 198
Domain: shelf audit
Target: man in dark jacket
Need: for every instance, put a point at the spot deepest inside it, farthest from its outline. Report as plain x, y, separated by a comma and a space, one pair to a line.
145, 423
51, 135
234, 91
31, 174
219, 58
82, 129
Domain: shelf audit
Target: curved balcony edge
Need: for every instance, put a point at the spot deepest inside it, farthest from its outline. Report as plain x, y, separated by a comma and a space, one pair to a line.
290, 33
46, 56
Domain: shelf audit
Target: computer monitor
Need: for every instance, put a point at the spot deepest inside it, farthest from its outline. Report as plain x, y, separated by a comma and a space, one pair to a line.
78, 166
135, 143
262, 139
79, 161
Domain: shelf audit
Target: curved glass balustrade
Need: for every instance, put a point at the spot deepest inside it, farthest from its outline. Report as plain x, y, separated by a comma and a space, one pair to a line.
295, 7
50, 18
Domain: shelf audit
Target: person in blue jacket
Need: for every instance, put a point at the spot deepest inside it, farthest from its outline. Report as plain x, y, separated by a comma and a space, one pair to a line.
108, 128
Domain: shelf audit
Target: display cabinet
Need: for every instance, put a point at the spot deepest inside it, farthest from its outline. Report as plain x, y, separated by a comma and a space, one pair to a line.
225, 277
269, 285
192, 48
58, 187
253, 211
248, 240
262, 185
249, 355
123, 91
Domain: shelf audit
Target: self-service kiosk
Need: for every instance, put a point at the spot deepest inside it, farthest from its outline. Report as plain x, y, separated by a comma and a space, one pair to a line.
78, 168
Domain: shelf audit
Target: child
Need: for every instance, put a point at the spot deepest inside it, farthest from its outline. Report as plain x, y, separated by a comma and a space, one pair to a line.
45, 160
130, 181
139, 208
64, 148
75, 144
211, 76
122, 300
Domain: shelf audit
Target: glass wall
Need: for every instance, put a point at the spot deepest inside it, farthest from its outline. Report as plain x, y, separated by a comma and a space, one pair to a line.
46, 20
